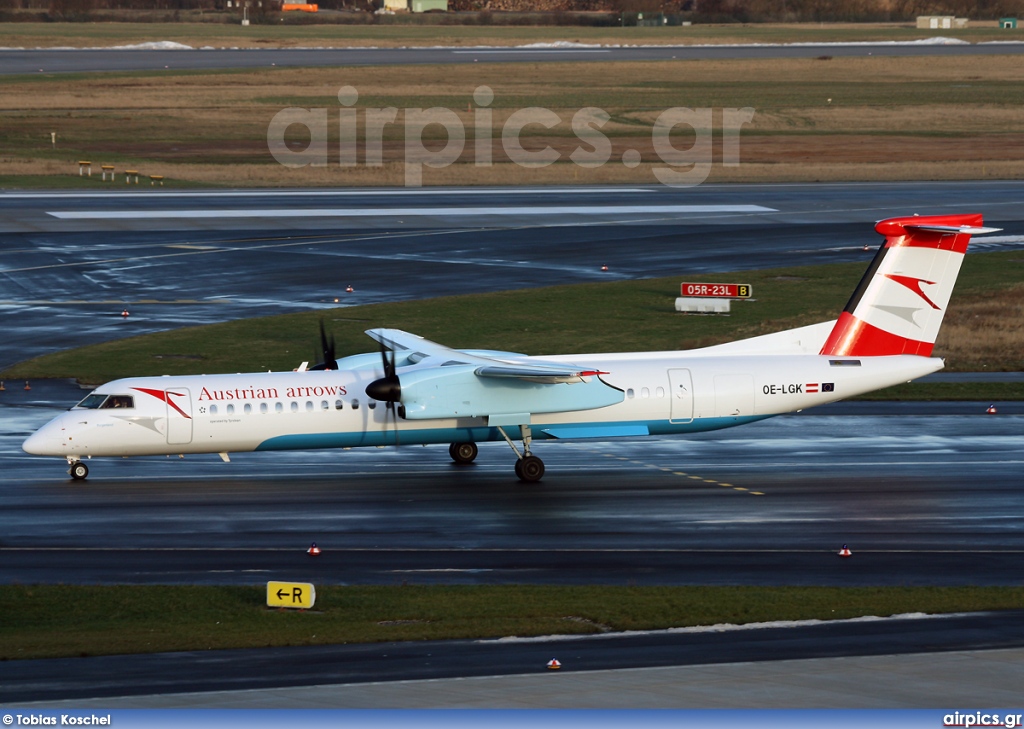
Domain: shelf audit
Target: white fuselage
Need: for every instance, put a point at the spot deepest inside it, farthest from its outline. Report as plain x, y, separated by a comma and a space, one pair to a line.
661, 393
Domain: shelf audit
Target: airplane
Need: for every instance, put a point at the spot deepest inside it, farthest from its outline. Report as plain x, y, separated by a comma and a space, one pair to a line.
414, 391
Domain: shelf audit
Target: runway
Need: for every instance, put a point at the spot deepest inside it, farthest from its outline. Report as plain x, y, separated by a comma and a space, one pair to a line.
67, 277
367, 676
922, 499
35, 61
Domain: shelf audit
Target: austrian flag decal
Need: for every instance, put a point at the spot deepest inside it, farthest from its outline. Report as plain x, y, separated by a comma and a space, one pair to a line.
812, 387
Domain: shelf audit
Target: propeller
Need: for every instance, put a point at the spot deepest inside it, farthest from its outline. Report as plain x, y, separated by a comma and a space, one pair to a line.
387, 389
327, 348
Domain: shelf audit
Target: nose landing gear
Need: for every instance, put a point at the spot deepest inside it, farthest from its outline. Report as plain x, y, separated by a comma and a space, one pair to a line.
77, 470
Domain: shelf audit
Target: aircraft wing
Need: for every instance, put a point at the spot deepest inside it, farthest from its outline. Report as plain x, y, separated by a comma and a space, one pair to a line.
442, 382
417, 350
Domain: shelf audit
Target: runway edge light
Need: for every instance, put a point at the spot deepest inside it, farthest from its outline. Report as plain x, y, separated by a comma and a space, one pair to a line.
554, 665
845, 552
313, 550
298, 595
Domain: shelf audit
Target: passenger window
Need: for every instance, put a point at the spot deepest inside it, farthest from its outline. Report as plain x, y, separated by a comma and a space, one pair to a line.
263, 407
324, 405
355, 404
629, 393
660, 392
213, 410
338, 404
247, 408
295, 407
371, 404
309, 406
644, 392
278, 407
231, 409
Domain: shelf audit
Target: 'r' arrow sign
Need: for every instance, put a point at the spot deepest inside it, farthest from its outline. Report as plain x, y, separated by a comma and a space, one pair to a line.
290, 595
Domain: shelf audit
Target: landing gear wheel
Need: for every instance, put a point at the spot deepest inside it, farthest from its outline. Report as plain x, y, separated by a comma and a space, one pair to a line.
530, 469
79, 471
463, 453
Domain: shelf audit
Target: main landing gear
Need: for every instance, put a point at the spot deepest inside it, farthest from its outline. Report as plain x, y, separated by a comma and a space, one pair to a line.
463, 453
529, 468
78, 470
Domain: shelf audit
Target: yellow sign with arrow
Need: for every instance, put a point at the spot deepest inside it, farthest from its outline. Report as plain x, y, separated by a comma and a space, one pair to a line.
290, 594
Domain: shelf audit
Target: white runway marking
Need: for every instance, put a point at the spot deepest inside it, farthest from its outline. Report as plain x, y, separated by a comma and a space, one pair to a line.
408, 212
460, 191
719, 628
531, 51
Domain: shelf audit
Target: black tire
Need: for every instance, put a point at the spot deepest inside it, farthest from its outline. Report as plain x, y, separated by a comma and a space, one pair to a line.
530, 469
463, 453
79, 471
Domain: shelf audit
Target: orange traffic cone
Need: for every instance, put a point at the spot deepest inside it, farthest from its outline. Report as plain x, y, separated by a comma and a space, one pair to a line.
313, 550
845, 552
27, 386
554, 665
991, 410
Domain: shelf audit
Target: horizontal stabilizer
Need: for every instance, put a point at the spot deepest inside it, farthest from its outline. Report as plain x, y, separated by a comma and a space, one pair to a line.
953, 229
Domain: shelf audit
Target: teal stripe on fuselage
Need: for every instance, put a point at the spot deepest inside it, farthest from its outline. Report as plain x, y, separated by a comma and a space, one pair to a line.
481, 434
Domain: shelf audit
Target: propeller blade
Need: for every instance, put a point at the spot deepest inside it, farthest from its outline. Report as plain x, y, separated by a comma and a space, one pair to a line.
388, 363
388, 388
394, 419
327, 351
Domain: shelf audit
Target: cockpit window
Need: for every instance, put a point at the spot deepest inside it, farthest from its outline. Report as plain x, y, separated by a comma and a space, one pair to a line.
92, 401
97, 400
118, 401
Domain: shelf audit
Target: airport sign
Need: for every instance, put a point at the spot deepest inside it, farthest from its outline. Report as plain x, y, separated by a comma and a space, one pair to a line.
290, 595
716, 290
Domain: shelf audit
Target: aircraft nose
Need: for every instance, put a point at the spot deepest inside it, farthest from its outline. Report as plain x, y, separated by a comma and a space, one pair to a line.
46, 441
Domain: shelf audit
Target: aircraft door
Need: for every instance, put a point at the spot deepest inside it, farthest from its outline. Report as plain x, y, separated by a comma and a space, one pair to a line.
681, 392
179, 415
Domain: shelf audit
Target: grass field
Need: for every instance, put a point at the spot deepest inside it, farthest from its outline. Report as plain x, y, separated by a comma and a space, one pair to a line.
863, 118
48, 621
981, 331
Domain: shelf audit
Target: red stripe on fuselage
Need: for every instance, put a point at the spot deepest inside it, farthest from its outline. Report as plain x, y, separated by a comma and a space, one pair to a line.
162, 395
